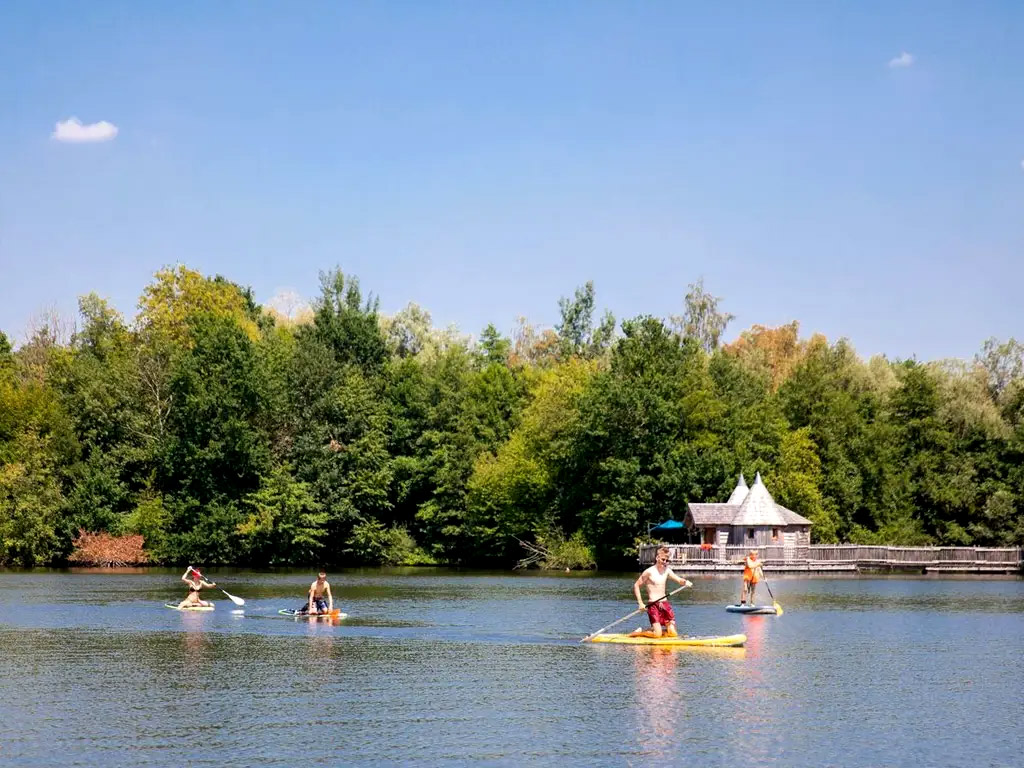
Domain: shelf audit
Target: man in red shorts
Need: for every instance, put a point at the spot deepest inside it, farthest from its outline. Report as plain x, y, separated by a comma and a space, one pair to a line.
656, 578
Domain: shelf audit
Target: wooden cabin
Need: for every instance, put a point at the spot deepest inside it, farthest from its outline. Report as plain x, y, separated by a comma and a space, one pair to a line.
750, 518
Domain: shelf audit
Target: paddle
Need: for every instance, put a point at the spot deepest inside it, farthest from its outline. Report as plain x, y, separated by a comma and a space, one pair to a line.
235, 600
775, 603
634, 613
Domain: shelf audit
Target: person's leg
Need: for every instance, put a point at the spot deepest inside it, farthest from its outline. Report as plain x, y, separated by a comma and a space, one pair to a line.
743, 593
750, 596
652, 617
670, 631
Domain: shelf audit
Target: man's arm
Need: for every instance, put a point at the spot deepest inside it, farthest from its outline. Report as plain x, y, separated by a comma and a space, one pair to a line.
636, 590
679, 579
312, 588
330, 598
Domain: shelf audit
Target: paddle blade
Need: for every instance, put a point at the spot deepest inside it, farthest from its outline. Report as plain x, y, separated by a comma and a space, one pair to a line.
778, 609
233, 599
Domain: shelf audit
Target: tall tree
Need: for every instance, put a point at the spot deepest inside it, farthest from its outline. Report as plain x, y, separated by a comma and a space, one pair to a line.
645, 440
346, 325
702, 320
576, 332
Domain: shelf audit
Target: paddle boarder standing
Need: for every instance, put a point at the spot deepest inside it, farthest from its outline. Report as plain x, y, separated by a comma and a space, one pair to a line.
752, 574
656, 578
320, 599
195, 582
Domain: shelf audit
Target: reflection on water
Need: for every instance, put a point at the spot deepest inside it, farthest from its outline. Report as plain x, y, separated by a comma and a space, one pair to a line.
441, 668
658, 698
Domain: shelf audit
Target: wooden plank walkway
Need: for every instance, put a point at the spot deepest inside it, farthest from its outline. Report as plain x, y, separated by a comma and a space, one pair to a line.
695, 558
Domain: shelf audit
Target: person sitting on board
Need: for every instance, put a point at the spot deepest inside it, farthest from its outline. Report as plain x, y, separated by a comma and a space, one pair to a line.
195, 582
660, 613
752, 574
320, 599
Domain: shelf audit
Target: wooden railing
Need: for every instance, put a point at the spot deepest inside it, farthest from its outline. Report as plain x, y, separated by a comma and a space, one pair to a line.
846, 556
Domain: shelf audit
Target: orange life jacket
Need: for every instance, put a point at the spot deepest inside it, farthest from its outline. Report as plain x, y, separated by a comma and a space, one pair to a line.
750, 574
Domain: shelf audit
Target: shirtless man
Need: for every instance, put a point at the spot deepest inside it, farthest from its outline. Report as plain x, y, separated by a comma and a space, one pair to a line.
195, 582
660, 613
317, 602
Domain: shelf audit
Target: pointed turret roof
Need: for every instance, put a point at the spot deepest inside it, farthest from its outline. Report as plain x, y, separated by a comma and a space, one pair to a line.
759, 508
746, 506
739, 493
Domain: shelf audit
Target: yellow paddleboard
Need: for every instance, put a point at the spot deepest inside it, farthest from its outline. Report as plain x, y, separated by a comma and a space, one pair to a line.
719, 641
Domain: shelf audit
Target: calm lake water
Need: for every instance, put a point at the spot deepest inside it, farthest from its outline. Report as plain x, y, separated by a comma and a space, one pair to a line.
437, 667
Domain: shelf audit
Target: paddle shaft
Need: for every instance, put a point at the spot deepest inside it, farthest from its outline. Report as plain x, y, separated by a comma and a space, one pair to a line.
634, 613
775, 603
235, 600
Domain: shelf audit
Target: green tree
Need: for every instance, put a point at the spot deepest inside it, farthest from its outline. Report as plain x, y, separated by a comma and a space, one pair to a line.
341, 443
472, 411
645, 440
796, 484
285, 524
576, 332
830, 393
513, 492
30, 503
177, 295
346, 325
493, 347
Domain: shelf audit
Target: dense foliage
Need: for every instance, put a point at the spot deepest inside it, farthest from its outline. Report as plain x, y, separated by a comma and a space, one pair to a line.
221, 432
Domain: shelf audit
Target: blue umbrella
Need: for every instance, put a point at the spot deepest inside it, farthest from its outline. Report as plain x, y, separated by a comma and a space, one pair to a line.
667, 527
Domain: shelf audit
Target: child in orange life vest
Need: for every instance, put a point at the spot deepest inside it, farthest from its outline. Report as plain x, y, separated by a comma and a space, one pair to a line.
752, 574
660, 613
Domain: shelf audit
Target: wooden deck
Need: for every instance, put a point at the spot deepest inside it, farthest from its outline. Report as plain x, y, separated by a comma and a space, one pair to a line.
843, 557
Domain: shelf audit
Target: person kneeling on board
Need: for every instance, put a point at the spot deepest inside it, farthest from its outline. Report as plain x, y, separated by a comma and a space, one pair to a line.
320, 599
195, 582
659, 611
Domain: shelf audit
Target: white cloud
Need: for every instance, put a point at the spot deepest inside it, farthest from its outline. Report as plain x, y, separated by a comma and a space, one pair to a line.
74, 132
903, 60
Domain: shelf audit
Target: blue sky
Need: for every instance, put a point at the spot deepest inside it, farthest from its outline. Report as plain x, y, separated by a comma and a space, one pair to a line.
858, 167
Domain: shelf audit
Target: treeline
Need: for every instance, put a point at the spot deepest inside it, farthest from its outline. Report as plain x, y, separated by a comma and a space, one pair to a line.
223, 432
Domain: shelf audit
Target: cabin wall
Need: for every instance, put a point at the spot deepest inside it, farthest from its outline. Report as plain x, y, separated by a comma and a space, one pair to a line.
740, 536
768, 536
737, 535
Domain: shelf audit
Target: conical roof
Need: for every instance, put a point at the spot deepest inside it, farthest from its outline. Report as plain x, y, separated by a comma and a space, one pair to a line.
739, 493
758, 508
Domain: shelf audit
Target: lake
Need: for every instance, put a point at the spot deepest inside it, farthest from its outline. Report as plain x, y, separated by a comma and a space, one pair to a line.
446, 668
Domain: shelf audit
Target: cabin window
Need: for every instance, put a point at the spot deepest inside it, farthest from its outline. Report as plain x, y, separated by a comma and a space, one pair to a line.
709, 536
775, 534
750, 534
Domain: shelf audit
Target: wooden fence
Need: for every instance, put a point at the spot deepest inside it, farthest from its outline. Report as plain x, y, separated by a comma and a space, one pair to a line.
841, 557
